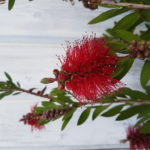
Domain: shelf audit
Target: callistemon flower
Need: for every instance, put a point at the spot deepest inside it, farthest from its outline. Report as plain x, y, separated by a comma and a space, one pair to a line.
86, 70
137, 140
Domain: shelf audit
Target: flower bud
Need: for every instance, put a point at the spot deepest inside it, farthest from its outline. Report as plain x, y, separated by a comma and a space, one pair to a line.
48, 80
56, 72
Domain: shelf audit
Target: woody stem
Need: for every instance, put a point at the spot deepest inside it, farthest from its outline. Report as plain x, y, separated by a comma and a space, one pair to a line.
129, 5
39, 93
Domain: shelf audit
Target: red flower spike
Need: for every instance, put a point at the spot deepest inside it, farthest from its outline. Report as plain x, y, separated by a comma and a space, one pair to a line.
33, 119
137, 140
88, 67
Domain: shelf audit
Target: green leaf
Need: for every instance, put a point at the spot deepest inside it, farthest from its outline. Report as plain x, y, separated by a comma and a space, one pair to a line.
145, 74
145, 35
66, 119
40, 110
118, 47
147, 88
8, 76
128, 21
123, 66
107, 15
43, 122
145, 14
60, 96
126, 35
142, 120
17, 93
11, 4
131, 111
135, 95
51, 105
97, 111
146, 127
113, 111
4, 94
84, 116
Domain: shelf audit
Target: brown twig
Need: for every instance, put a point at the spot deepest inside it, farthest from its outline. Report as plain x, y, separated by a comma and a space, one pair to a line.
129, 5
38, 93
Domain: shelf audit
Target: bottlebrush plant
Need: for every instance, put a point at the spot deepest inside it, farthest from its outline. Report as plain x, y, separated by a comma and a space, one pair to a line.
91, 72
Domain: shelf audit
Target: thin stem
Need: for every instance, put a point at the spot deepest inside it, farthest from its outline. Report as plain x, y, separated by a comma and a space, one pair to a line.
129, 5
38, 93
125, 101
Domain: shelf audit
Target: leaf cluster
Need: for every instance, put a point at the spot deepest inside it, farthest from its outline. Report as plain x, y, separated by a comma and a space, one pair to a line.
8, 87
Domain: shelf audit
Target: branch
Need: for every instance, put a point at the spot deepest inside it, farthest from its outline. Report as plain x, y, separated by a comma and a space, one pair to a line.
38, 93
129, 5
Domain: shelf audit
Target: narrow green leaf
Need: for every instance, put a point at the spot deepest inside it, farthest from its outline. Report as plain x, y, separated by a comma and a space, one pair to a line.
4, 94
113, 111
131, 111
126, 35
43, 122
145, 74
18, 84
122, 68
128, 21
107, 15
11, 4
142, 120
51, 105
84, 116
66, 119
135, 95
8, 76
97, 111
118, 47
40, 110
17, 93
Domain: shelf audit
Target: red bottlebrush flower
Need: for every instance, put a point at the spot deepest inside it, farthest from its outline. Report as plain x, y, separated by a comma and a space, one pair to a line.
86, 70
33, 119
137, 140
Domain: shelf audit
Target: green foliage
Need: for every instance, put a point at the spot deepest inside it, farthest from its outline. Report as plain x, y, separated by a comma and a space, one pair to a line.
128, 22
145, 34
134, 94
145, 74
107, 15
146, 127
8, 87
66, 119
118, 47
123, 66
11, 4
84, 115
113, 111
98, 110
126, 35
145, 14
132, 111
59, 101
60, 96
